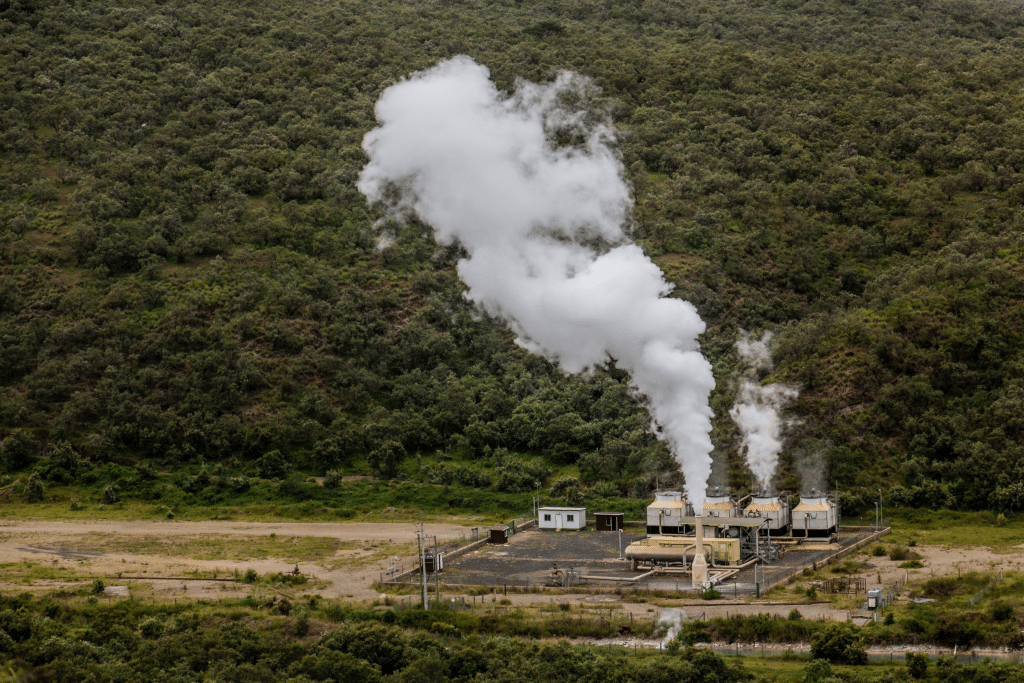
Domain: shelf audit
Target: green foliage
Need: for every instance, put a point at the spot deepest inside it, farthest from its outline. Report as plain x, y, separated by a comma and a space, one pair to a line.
917, 665
817, 671
111, 494
18, 450
839, 644
97, 586
187, 271
34, 489
273, 465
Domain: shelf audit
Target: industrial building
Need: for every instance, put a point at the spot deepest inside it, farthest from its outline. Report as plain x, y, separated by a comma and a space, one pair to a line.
665, 515
817, 516
560, 518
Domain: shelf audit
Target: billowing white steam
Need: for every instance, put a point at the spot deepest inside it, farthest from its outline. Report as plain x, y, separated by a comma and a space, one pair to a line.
758, 410
482, 169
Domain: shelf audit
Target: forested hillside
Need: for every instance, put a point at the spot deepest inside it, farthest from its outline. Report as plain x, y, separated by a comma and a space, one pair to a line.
191, 284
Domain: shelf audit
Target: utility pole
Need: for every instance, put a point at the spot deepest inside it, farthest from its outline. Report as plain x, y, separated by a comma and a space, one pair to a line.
620, 544
422, 540
437, 574
880, 522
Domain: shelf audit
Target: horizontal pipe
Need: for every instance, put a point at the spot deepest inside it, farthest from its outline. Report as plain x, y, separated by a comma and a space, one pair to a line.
618, 578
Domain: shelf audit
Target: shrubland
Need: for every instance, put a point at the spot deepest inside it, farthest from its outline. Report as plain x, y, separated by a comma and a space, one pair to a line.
194, 303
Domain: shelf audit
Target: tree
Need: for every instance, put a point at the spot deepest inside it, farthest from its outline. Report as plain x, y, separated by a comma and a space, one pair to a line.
34, 489
273, 465
839, 644
18, 450
385, 459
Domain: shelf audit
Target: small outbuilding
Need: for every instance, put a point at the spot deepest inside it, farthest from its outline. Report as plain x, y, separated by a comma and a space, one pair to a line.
562, 518
499, 534
608, 521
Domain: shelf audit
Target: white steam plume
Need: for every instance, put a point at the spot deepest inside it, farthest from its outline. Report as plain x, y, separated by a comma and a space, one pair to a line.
482, 169
758, 410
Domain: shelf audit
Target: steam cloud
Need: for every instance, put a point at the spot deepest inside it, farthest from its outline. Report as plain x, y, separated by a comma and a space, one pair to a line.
482, 169
758, 410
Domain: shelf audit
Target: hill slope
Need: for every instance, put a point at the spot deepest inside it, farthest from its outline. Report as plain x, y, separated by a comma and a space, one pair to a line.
189, 276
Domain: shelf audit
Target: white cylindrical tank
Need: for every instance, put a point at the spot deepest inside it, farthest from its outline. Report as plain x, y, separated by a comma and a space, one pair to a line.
770, 507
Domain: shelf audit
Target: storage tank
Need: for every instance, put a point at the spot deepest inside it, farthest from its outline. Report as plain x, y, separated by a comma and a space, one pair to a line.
770, 507
665, 514
815, 516
720, 505
681, 550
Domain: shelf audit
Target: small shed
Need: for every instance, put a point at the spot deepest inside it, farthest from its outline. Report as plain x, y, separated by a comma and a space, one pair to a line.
499, 534
435, 563
608, 521
562, 518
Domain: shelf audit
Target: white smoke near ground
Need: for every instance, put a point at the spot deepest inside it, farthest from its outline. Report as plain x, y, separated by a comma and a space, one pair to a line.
544, 229
671, 619
758, 410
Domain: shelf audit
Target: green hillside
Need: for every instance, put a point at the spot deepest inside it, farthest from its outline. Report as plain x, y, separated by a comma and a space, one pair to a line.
192, 294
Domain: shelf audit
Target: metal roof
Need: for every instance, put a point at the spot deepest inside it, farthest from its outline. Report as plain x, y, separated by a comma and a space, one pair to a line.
667, 504
813, 505
770, 506
557, 509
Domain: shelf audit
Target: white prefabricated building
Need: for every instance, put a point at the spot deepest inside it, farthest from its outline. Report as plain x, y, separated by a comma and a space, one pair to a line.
562, 518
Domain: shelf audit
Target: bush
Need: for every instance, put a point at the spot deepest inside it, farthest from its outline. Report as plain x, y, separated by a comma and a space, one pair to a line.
250, 576
911, 564
111, 494
151, 628
878, 551
794, 615
839, 644
917, 665
710, 594
240, 484
97, 586
818, 671
898, 553
332, 480
1002, 611
273, 465
34, 489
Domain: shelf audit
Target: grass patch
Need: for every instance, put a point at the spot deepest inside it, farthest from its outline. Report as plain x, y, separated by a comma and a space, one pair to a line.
956, 530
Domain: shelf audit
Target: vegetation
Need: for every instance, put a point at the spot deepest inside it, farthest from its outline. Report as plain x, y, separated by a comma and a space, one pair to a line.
191, 288
70, 636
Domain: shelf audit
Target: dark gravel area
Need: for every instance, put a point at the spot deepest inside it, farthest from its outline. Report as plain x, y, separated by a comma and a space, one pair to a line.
526, 560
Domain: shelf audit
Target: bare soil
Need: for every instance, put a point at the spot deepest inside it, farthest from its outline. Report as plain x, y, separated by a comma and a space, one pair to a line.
348, 572
42, 555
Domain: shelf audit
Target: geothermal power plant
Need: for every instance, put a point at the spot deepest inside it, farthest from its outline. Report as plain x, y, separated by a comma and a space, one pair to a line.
731, 534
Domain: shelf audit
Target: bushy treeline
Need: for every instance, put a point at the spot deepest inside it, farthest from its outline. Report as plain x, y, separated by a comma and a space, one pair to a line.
188, 274
254, 640
50, 640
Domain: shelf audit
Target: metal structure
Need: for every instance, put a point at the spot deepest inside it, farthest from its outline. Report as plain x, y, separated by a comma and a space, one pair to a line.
816, 516
665, 514
563, 578
499, 534
720, 505
770, 508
